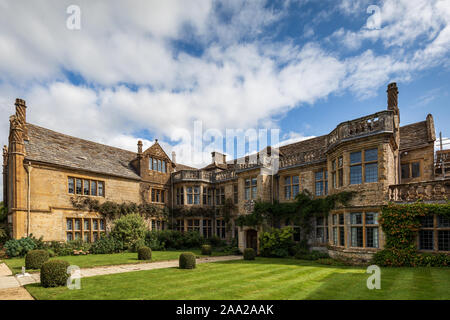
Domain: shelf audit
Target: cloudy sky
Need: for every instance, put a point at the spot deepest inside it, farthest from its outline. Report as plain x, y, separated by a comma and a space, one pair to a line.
150, 69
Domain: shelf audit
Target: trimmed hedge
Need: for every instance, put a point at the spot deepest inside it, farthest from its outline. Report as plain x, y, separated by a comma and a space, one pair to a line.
187, 260
249, 254
206, 250
144, 253
36, 258
311, 255
54, 273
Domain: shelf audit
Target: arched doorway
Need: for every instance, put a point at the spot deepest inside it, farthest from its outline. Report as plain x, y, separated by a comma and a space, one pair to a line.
252, 239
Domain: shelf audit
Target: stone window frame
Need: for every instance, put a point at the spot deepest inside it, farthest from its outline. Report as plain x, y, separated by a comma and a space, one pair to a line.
179, 225
235, 193
207, 227
98, 183
251, 189
220, 195
363, 163
323, 180
435, 229
193, 225
180, 196
159, 166
365, 226
93, 234
323, 227
221, 228
193, 193
338, 230
337, 172
410, 164
290, 186
157, 224
158, 195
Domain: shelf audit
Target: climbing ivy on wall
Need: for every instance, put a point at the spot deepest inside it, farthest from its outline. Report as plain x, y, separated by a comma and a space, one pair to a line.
115, 210
400, 224
300, 212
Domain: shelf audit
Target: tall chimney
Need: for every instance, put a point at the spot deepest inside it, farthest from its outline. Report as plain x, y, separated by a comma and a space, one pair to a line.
392, 95
174, 157
139, 144
21, 116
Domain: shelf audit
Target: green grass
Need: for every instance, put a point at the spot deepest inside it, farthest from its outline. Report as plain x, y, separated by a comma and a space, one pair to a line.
261, 279
95, 260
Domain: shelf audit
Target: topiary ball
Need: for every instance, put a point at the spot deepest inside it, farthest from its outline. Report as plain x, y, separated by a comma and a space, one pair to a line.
54, 273
206, 250
36, 258
249, 254
144, 253
187, 260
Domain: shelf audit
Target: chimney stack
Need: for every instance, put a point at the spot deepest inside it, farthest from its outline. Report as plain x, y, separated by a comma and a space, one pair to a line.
218, 157
174, 157
21, 110
392, 95
139, 147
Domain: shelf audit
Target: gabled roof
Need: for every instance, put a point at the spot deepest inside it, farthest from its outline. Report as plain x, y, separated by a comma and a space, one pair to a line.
55, 148
414, 135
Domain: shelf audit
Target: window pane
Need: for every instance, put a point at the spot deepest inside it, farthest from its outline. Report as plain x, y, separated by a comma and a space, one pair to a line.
254, 182
335, 236
426, 239
77, 224
287, 181
443, 222
86, 237
164, 167
341, 236
253, 192
356, 218
371, 155
357, 236
319, 175
247, 193
95, 224
78, 186
247, 182
333, 165
69, 236
287, 192
340, 162
71, 186
86, 225
405, 171
371, 172
319, 188
77, 235
372, 237
355, 157
69, 224
356, 175
295, 180
86, 187
93, 188
150, 163
101, 189
341, 218
371, 218
102, 224
444, 240
427, 222
159, 165
155, 164
415, 169
295, 190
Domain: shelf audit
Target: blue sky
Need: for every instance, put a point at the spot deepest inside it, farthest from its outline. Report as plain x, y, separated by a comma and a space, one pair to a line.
151, 69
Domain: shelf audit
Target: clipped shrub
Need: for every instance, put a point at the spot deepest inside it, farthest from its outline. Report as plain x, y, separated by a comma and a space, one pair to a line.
187, 260
129, 229
144, 253
276, 243
215, 241
54, 273
106, 245
138, 244
206, 250
36, 258
249, 254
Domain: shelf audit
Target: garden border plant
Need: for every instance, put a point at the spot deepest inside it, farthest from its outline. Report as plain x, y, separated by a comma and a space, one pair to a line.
400, 224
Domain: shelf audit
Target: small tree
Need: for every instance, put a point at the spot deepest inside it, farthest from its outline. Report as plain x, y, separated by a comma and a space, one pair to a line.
129, 229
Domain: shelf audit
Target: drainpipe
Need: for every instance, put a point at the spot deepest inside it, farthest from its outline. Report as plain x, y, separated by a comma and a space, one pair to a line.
28, 169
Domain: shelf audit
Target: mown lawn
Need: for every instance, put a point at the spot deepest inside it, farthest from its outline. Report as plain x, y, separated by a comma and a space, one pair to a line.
263, 278
95, 260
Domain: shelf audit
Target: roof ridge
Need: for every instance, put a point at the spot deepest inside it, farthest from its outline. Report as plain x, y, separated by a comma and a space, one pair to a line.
411, 124
73, 137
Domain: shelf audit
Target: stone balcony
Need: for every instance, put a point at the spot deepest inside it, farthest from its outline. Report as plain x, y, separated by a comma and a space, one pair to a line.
202, 176
428, 191
379, 122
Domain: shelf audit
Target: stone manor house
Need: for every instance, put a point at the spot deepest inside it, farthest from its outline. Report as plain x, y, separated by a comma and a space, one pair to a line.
384, 162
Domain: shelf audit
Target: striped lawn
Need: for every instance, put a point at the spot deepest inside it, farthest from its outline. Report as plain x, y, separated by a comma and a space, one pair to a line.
260, 279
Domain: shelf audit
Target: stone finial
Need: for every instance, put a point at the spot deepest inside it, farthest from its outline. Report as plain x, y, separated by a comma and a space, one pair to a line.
392, 95
21, 110
431, 131
139, 144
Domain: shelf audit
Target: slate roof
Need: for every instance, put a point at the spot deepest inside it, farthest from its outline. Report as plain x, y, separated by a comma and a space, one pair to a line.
48, 146
413, 135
